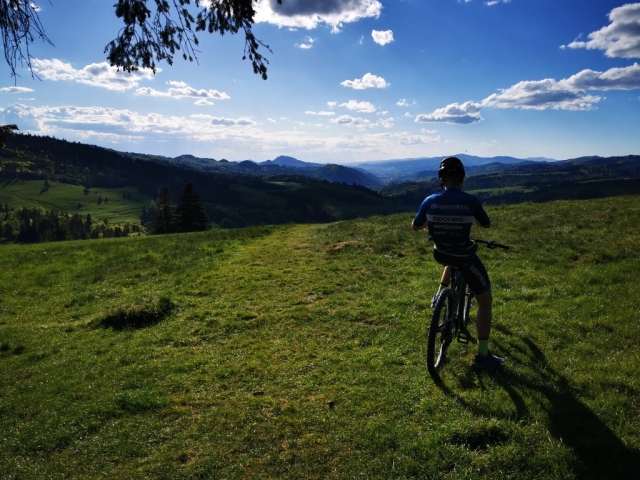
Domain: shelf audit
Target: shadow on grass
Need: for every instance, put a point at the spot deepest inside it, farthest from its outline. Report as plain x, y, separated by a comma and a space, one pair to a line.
599, 453
137, 315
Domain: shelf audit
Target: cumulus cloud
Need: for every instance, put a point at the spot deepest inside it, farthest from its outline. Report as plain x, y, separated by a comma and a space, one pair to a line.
367, 81
382, 37
362, 107
420, 140
97, 74
566, 94
402, 103
626, 78
21, 115
541, 95
321, 114
182, 90
308, 45
15, 89
200, 133
468, 112
309, 15
91, 122
232, 122
352, 121
492, 3
619, 39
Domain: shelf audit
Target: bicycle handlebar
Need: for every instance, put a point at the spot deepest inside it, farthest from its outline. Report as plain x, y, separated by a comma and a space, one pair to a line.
487, 243
490, 243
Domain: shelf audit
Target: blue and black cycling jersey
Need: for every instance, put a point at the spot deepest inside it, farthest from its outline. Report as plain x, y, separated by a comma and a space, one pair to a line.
449, 215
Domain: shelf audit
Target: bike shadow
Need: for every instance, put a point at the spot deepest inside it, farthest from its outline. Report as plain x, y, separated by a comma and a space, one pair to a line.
599, 452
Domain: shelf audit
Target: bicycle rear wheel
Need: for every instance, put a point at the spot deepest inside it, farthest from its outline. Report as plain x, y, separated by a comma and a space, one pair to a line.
440, 333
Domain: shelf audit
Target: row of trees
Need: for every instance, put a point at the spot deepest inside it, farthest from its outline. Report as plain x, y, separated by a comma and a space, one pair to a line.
35, 225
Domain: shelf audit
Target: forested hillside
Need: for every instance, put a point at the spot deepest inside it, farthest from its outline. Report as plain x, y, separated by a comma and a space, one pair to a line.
231, 198
496, 183
247, 193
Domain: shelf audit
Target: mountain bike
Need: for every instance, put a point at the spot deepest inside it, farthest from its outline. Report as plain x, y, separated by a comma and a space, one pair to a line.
450, 317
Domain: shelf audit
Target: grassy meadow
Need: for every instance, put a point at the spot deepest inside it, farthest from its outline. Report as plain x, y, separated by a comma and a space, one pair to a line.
70, 198
297, 351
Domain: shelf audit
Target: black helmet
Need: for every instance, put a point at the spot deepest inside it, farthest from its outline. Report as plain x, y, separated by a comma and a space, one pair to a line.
450, 165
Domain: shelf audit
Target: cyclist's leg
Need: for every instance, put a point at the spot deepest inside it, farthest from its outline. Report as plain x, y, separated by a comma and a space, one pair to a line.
478, 280
483, 320
446, 276
445, 281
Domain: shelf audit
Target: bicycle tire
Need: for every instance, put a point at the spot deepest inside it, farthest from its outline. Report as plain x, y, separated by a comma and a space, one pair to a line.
439, 335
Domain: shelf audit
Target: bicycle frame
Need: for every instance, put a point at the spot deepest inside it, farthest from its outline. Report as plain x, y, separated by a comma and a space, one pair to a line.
458, 316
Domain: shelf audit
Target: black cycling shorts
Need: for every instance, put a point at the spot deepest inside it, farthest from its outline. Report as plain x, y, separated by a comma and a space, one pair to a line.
471, 268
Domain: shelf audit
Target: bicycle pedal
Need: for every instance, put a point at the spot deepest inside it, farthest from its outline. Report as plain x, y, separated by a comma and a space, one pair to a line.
463, 337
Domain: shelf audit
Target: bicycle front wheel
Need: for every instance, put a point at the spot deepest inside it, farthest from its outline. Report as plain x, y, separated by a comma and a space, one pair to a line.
440, 333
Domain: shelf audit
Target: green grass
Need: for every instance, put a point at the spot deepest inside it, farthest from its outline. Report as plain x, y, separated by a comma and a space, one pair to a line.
298, 352
71, 198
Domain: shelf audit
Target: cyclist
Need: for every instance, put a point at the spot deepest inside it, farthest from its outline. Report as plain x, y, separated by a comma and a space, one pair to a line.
449, 215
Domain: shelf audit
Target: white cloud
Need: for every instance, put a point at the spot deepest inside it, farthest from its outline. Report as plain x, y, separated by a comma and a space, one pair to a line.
402, 103
203, 102
88, 122
15, 89
541, 95
619, 39
182, 90
566, 94
201, 134
97, 74
352, 121
332, 104
321, 114
309, 15
385, 122
420, 140
367, 81
362, 107
382, 37
468, 112
491, 3
232, 122
308, 45
626, 78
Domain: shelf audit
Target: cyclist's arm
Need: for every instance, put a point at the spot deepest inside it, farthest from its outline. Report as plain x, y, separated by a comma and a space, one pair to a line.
417, 228
480, 217
486, 225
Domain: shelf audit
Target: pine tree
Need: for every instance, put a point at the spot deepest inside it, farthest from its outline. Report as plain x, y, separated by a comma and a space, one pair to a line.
190, 213
163, 221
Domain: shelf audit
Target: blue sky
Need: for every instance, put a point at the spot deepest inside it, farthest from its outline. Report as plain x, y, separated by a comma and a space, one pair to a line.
351, 81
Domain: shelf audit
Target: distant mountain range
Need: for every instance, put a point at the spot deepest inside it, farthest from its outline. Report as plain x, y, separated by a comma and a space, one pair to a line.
403, 181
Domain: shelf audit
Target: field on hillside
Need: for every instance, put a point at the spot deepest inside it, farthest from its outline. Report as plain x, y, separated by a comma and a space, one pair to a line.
298, 352
72, 199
